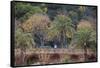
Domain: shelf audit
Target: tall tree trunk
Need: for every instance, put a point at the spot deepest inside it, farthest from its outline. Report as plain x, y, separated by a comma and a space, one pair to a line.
63, 38
85, 52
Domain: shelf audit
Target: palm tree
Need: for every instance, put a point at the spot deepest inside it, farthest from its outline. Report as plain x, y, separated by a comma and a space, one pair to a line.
62, 27
83, 37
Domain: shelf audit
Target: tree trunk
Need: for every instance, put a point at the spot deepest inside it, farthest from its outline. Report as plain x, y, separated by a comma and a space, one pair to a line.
85, 52
63, 39
42, 41
23, 52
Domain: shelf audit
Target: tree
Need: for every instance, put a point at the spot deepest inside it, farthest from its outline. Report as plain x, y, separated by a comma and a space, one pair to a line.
23, 41
24, 10
37, 25
83, 37
62, 27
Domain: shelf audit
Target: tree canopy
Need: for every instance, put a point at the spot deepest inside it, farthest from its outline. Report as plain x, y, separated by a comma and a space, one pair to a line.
54, 24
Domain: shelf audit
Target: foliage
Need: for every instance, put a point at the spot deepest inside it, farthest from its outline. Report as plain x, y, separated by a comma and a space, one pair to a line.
86, 37
62, 28
25, 10
37, 21
37, 25
23, 40
82, 36
63, 22
46, 23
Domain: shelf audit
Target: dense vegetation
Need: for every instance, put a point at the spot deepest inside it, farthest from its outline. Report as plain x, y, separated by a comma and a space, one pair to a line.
55, 26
